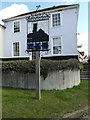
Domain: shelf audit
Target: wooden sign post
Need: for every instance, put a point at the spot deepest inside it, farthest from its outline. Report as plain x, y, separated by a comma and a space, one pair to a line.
38, 91
37, 41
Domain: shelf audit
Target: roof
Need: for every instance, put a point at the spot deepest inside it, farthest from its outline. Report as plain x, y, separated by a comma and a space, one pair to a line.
45, 9
2, 26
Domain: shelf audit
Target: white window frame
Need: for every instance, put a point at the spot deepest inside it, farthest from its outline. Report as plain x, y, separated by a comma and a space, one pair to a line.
13, 49
30, 27
60, 19
19, 25
61, 46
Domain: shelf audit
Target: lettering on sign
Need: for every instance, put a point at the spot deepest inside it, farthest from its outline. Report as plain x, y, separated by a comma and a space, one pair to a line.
38, 19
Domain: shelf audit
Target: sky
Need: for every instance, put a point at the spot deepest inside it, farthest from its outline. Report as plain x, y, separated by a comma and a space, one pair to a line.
9, 9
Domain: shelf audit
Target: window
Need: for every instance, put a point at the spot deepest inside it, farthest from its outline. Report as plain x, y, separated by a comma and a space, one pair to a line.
16, 26
56, 20
16, 51
57, 45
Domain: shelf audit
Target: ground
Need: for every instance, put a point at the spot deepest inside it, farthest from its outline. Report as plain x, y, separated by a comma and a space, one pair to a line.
18, 103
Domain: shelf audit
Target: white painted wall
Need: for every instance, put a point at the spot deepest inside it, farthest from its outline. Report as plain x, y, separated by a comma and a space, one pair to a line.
57, 80
11, 37
1, 40
67, 31
89, 44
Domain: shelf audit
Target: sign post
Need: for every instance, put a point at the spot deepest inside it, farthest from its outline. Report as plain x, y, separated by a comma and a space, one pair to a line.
37, 41
38, 91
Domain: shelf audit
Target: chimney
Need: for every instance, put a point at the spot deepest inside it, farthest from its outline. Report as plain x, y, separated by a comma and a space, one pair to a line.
34, 27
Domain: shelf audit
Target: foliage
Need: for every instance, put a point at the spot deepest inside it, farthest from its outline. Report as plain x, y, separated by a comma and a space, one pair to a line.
26, 66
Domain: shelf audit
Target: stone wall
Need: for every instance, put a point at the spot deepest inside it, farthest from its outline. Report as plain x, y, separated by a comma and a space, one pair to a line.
55, 80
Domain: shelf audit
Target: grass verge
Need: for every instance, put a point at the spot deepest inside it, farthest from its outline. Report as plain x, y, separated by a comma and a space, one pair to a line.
19, 103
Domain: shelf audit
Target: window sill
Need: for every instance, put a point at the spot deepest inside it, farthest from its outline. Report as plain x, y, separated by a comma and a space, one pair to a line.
56, 27
16, 32
57, 54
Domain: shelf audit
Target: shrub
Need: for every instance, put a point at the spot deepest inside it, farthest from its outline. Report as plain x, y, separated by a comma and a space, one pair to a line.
26, 66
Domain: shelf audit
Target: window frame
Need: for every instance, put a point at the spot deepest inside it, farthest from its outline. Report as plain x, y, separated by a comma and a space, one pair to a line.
13, 49
53, 45
19, 26
60, 19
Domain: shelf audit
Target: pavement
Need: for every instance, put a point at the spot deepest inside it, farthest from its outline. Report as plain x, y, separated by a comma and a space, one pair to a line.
82, 113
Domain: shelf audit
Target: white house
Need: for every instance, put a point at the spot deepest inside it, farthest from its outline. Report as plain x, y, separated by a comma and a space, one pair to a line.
89, 48
61, 28
1, 40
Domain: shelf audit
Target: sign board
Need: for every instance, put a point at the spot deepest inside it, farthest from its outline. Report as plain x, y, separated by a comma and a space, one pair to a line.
33, 46
37, 40
38, 19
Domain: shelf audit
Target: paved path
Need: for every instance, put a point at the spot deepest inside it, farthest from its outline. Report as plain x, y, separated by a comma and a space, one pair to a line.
77, 114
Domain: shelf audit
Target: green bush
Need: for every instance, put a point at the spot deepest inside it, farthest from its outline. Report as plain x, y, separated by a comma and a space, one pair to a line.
26, 66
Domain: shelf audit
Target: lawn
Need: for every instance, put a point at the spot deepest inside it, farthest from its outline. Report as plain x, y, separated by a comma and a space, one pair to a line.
18, 103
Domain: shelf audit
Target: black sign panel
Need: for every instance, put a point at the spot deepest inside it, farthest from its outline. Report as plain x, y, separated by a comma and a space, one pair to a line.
38, 40
30, 45
44, 45
38, 36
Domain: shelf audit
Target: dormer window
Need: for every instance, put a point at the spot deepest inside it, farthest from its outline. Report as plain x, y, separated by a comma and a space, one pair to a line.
16, 26
56, 20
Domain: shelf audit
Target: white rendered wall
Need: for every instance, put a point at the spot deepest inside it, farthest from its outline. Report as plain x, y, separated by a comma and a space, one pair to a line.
55, 80
1, 41
69, 28
11, 37
67, 31
89, 43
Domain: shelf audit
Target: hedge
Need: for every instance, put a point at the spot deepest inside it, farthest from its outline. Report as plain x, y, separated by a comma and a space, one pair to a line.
27, 66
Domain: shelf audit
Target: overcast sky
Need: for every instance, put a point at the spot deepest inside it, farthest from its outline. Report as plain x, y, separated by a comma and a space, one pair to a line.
9, 9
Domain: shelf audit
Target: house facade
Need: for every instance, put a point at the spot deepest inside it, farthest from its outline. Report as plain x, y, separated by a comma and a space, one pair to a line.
2, 28
89, 49
61, 28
